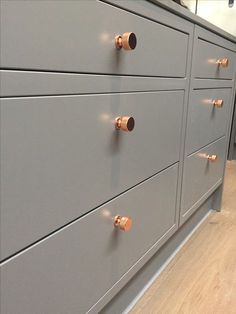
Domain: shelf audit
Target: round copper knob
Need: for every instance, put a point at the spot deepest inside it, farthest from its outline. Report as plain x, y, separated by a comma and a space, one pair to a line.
125, 123
123, 223
212, 158
223, 62
218, 103
128, 41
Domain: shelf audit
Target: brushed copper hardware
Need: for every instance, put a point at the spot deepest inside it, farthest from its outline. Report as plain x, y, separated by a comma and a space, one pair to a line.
128, 41
218, 103
125, 123
212, 158
123, 223
223, 62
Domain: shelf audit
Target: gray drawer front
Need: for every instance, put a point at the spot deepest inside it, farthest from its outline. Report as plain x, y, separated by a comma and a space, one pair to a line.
205, 61
75, 267
62, 156
206, 122
200, 174
78, 36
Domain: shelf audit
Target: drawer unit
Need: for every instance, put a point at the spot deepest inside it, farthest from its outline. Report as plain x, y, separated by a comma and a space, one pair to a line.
202, 170
213, 61
79, 36
102, 158
72, 269
63, 156
207, 117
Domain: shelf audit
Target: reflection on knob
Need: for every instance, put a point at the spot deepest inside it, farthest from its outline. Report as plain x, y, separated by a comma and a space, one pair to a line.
123, 223
125, 123
218, 103
223, 62
128, 41
212, 157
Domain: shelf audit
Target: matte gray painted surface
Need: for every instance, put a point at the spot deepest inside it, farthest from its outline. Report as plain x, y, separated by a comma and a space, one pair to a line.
207, 48
206, 122
205, 62
62, 156
208, 84
215, 189
66, 274
145, 276
232, 147
78, 36
195, 83
202, 33
234, 152
26, 83
189, 16
156, 13
200, 175
173, 14
71, 166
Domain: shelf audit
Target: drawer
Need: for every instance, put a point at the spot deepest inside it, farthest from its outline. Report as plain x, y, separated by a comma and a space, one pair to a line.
207, 117
201, 173
62, 156
212, 61
64, 270
79, 36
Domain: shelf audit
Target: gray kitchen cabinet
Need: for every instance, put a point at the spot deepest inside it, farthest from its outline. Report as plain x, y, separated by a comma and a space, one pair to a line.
211, 93
109, 157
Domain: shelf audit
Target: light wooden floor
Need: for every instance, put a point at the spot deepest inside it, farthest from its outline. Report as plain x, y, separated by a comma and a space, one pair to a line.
202, 276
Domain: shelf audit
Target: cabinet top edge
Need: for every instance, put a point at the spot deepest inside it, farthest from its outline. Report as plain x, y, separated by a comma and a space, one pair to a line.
186, 14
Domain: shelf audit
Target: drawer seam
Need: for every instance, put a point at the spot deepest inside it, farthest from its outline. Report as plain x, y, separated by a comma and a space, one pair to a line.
210, 143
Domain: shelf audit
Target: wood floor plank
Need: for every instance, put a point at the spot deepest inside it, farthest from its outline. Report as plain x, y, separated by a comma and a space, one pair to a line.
202, 276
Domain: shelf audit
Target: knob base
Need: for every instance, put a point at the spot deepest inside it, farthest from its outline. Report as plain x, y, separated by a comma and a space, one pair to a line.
118, 42
123, 223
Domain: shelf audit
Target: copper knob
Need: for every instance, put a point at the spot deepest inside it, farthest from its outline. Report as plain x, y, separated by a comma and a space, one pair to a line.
128, 41
223, 62
125, 123
123, 223
212, 157
218, 103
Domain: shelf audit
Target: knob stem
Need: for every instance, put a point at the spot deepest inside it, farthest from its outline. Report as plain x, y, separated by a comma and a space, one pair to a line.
223, 62
212, 158
218, 103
